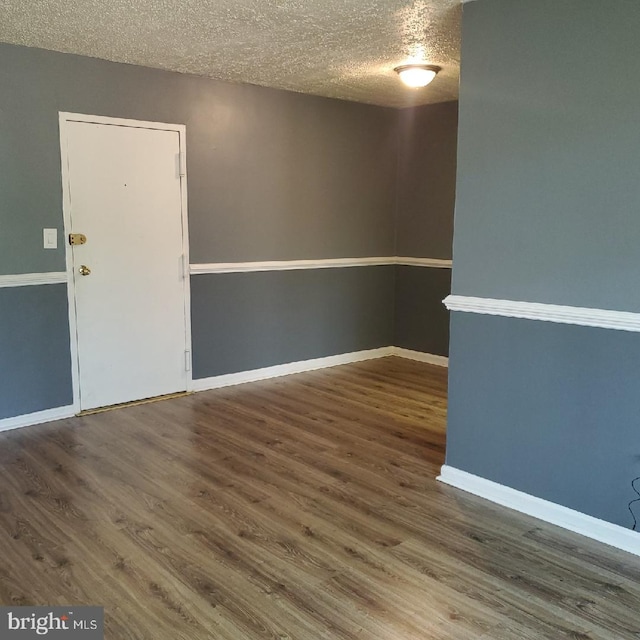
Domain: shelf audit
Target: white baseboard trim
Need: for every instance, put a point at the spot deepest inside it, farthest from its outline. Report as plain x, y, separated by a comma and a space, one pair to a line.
28, 419
600, 530
420, 356
582, 316
217, 382
229, 379
29, 279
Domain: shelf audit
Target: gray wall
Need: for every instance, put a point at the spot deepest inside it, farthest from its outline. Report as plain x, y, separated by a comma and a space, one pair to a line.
549, 181
272, 175
328, 312
552, 410
547, 202
426, 180
421, 320
424, 224
35, 363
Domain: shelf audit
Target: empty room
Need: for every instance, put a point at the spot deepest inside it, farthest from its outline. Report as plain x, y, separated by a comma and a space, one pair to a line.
316, 320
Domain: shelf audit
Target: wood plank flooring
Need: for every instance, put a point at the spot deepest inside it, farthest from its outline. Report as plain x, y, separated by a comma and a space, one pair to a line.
299, 508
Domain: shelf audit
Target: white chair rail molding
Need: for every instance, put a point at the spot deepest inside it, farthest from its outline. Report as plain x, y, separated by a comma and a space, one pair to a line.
583, 316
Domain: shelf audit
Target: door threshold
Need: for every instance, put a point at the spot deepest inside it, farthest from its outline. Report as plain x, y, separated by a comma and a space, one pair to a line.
134, 403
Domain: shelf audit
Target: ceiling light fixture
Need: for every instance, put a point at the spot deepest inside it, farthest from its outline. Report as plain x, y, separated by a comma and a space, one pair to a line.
417, 75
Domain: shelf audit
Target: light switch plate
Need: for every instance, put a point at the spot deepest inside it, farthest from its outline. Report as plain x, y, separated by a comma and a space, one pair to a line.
50, 238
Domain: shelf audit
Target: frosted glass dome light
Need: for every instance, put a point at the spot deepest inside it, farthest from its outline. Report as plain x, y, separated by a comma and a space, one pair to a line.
417, 75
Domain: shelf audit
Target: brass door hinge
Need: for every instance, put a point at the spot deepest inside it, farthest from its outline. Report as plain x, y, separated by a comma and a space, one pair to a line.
77, 238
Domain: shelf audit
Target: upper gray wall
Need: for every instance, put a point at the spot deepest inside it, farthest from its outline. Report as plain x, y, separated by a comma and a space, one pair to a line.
271, 175
548, 193
426, 180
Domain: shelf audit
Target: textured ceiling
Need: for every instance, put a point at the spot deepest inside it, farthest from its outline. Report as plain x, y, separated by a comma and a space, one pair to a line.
337, 48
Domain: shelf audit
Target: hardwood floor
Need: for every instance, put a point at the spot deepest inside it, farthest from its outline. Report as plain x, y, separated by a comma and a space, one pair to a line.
297, 508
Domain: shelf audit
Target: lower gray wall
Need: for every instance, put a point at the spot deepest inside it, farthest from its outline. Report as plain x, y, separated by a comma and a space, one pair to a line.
35, 364
421, 320
566, 428
243, 321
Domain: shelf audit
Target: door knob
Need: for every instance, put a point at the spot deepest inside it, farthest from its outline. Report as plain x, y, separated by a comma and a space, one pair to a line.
84, 270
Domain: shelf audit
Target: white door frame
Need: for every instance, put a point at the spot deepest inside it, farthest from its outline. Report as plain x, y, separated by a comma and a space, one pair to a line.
65, 118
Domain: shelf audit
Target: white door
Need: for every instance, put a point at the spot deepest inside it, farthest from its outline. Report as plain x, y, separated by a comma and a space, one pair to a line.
124, 195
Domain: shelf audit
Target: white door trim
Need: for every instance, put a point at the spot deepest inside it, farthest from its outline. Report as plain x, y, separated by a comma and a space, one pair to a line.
64, 119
